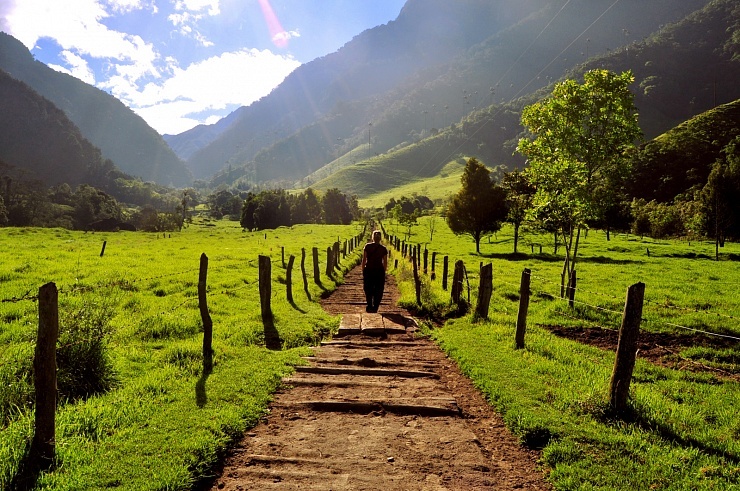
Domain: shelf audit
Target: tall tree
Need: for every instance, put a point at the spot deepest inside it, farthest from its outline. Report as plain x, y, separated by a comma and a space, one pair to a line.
336, 207
579, 135
719, 196
519, 193
480, 205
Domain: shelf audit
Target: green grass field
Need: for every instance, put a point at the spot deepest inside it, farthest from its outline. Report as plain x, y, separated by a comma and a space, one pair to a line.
155, 421
682, 431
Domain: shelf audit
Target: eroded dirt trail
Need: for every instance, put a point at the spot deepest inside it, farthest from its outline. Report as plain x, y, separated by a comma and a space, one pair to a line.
378, 409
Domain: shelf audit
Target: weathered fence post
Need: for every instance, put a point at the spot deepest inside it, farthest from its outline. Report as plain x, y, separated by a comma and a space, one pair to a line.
434, 259
282, 256
205, 316
457, 279
329, 263
521, 318
485, 290
265, 285
445, 270
335, 254
417, 281
45, 377
289, 279
572, 289
303, 271
316, 273
102, 251
624, 363
426, 259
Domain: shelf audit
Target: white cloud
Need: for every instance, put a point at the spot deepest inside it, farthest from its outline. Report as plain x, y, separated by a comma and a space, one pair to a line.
79, 67
282, 38
187, 15
231, 79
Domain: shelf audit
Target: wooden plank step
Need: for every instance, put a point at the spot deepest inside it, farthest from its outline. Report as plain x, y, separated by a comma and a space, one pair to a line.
418, 407
373, 344
372, 372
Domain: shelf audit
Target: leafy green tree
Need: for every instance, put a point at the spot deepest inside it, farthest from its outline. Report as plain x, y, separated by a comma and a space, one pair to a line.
336, 208
480, 205
719, 196
519, 193
248, 209
306, 207
576, 151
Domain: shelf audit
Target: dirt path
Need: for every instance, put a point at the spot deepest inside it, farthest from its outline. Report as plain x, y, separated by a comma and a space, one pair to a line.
379, 409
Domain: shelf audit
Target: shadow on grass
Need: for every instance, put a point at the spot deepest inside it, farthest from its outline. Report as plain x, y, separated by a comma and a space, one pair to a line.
551, 258
29, 470
296, 307
272, 337
201, 397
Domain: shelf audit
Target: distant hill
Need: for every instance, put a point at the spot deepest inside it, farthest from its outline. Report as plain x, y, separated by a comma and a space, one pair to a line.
393, 86
121, 135
681, 158
38, 141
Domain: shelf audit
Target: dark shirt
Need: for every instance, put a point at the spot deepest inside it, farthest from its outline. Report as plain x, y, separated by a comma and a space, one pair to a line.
374, 254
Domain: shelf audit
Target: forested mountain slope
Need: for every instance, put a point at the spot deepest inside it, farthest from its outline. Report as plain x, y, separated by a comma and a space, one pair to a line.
121, 135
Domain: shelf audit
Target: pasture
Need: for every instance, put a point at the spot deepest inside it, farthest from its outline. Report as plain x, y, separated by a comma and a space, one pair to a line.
136, 411
682, 430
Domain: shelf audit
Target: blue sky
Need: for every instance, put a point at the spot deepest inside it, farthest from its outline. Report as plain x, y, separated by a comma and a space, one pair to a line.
178, 63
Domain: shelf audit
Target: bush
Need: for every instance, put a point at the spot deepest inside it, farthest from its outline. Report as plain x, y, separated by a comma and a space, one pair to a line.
83, 365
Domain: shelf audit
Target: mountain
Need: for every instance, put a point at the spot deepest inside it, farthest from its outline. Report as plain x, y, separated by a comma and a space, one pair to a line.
121, 135
38, 141
435, 65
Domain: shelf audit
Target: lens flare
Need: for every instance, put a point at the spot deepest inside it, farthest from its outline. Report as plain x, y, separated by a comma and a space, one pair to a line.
277, 33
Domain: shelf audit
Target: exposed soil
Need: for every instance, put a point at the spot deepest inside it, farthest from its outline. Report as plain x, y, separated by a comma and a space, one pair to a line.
658, 348
379, 408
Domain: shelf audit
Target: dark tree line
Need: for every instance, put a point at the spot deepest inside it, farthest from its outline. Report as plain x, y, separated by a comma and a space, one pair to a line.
277, 208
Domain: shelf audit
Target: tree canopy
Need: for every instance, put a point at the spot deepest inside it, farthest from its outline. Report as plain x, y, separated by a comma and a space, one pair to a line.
480, 205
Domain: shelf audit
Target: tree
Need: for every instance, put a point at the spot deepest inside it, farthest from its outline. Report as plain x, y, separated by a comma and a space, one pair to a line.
480, 205
719, 196
336, 208
576, 151
519, 193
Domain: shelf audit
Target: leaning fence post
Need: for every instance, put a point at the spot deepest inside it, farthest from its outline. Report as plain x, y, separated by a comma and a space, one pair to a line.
521, 318
102, 251
485, 290
45, 376
457, 279
265, 285
624, 363
303, 272
205, 315
289, 279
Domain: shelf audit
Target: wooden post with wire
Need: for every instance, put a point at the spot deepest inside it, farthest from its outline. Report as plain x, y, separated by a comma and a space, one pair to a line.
303, 272
485, 290
289, 279
521, 318
417, 281
43, 446
102, 251
329, 263
205, 315
445, 271
624, 364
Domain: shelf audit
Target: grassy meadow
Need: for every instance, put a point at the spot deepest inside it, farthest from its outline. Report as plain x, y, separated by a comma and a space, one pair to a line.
136, 410
682, 432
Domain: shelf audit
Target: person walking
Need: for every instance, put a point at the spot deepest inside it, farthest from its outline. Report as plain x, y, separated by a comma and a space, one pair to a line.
374, 264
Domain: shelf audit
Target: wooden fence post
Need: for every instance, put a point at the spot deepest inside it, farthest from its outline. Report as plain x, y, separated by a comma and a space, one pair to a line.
624, 363
316, 273
426, 259
265, 285
485, 290
335, 254
102, 251
457, 279
434, 259
445, 270
282, 256
43, 447
329, 263
205, 316
572, 289
303, 271
289, 279
521, 318
417, 281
